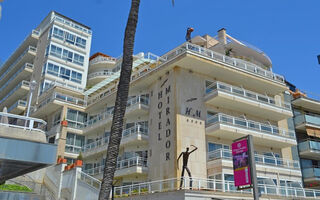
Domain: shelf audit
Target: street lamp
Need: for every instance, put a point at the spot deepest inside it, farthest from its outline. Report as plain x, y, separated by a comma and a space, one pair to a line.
33, 85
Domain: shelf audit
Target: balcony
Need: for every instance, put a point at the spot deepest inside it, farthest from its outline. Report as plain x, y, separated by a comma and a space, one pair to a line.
18, 107
264, 163
245, 101
96, 77
101, 61
309, 103
135, 134
23, 146
309, 149
301, 121
130, 166
311, 174
135, 106
231, 128
21, 90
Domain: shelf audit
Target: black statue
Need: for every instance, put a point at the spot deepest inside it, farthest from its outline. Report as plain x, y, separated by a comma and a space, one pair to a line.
185, 157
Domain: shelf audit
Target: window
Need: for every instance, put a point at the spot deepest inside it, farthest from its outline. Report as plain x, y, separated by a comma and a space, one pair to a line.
52, 140
56, 119
76, 77
57, 33
67, 55
78, 59
74, 142
70, 38
76, 118
81, 42
64, 73
56, 51
53, 69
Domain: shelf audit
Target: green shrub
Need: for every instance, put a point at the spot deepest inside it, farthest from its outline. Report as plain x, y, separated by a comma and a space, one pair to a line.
13, 187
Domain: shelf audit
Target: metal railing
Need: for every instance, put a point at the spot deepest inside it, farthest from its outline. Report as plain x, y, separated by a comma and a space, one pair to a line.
30, 48
219, 86
121, 164
89, 180
26, 65
100, 73
259, 159
108, 114
135, 130
18, 103
22, 83
68, 86
96, 144
22, 122
248, 124
205, 185
308, 119
309, 145
101, 59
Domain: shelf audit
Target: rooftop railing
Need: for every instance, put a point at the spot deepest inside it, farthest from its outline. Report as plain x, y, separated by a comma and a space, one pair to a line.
121, 164
215, 185
30, 48
233, 62
22, 83
101, 59
100, 73
18, 103
22, 122
259, 159
26, 65
71, 24
219, 86
249, 125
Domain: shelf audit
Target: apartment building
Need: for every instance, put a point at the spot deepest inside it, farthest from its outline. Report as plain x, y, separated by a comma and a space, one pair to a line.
307, 125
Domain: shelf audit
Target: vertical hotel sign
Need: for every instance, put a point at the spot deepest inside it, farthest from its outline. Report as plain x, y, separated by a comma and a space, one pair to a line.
241, 163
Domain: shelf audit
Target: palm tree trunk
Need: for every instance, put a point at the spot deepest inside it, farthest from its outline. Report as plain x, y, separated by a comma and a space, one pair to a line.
121, 102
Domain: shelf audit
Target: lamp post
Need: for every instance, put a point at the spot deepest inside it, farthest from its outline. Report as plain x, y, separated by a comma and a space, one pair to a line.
33, 85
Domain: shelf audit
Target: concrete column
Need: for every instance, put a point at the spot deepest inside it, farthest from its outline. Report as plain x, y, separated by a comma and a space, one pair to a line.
222, 36
62, 135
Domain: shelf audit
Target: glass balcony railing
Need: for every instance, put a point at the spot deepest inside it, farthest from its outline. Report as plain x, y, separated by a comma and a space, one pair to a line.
21, 103
22, 83
100, 73
259, 159
121, 164
108, 114
248, 124
309, 145
30, 48
313, 172
135, 130
219, 86
307, 119
27, 65
101, 59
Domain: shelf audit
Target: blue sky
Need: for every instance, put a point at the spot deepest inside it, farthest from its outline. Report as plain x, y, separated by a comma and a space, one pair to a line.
287, 31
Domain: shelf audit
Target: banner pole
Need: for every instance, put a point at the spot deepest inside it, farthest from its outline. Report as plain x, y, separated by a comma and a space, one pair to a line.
252, 165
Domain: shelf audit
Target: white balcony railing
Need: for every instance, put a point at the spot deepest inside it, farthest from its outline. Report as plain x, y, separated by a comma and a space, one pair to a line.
21, 103
72, 24
101, 59
22, 83
121, 164
22, 122
108, 114
259, 159
198, 184
219, 86
249, 125
135, 130
100, 73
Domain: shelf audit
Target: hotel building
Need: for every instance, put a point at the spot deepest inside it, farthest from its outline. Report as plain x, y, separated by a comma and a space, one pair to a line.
207, 93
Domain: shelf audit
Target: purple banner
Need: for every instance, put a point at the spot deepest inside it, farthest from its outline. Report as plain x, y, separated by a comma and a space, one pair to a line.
241, 169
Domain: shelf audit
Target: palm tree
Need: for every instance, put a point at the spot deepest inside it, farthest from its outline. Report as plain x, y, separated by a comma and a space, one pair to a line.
121, 101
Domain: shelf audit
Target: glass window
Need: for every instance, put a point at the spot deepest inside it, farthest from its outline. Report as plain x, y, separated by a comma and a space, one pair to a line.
55, 51
214, 146
57, 33
76, 77
67, 55
78, 59
81, 42
70, 38
64, 73
53, 69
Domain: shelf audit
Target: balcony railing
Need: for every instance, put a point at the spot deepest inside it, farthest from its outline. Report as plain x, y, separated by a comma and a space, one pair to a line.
233, 62
205, 185
121, 164
101, 73
307, 119
259, 159
30, 48
22, 103
309, 145
27, 65
219, 86
22, 83
108, 114
135, 130
248, 124
101, 59
313, 172
71, 24
22, 122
